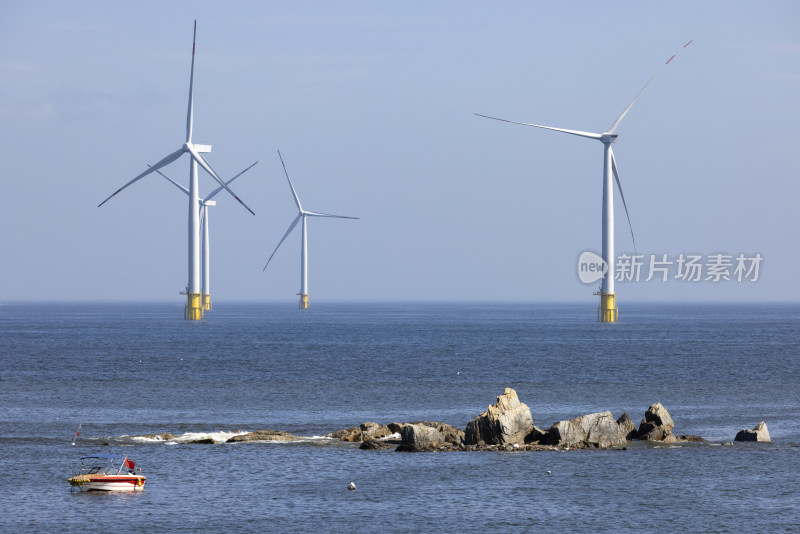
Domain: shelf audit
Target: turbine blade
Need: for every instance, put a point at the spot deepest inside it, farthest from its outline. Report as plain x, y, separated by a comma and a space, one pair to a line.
622, 115
190, 111
165, 161
289, 231
294, 193
173, 182
217, 190
317, 214
590, 135
619, 186
206, 167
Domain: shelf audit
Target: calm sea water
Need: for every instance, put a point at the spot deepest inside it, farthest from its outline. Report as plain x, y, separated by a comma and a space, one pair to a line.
124, 371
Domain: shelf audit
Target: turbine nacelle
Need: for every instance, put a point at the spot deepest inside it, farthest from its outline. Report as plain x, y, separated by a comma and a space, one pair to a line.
608, 138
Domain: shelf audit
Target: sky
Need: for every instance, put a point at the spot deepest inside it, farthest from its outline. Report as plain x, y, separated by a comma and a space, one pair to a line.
372, 106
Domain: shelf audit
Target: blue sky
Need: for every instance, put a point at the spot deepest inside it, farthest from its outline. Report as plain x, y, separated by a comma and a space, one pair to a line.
371, 104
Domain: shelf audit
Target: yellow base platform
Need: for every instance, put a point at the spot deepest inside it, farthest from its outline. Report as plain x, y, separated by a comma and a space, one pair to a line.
607, 312
303, 302
194, 307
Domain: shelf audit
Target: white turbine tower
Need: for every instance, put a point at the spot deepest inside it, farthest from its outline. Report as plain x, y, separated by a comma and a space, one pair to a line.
302, 214
206, 252
607, 311
194, 305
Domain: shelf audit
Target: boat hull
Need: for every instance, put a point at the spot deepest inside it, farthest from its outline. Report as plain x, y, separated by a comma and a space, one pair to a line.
108, 482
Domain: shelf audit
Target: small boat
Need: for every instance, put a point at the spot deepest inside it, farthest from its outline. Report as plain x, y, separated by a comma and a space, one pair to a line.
107, 472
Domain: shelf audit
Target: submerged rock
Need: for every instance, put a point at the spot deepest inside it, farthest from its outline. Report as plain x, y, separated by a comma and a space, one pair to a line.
757, 433
263, 435
507, 421
371, 444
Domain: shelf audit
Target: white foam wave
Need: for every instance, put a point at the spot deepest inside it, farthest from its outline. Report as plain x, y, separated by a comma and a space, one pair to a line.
218, 437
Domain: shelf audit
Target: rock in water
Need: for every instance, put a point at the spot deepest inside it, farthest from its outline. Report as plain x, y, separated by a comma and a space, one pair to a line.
592, 430
372, 430
263, 435
757, 433
371, 444
626, 426
417, 436
508, 421
347, 434
657, 424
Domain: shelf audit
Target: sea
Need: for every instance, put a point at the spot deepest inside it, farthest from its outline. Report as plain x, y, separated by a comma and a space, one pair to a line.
126, 371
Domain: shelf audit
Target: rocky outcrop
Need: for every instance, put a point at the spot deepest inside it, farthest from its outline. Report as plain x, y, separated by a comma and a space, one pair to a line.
536, 435
757, 433
657, 425
164, 436
363, 432
626, 426
450, 434
263, 435
418, 436
592, 430
372, 430
507, 421
352, 434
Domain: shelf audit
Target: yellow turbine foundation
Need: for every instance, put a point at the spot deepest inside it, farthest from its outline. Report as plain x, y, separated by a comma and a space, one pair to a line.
607, 312
303, 302
194, 307
206, 302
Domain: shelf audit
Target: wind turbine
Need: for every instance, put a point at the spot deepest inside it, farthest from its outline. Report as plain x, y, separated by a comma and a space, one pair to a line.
194, 305
301, 215
607, 311
206, 252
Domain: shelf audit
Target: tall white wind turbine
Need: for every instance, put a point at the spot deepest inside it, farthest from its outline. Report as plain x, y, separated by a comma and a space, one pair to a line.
204, 225
607, 311
301, 215
194, 305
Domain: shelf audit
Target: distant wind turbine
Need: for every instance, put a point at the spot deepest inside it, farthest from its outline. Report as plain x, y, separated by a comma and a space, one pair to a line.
206, 252
301, 215
194, 305
607, 311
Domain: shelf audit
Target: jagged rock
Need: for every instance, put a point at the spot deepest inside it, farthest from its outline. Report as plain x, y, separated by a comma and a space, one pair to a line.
626, 426
371, 444
564, 434
450, 434
658, 416
372, 430
263, 435
347, 434
601, 430
507, 421
591, 430
418, 436
757, 433
656, 425
201, 441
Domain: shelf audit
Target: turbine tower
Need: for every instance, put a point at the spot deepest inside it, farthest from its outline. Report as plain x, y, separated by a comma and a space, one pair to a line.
194, 304
607, 312
301, 215
204, 224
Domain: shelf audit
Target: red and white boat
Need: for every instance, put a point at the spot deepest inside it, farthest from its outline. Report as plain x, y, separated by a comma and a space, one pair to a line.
106, 472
